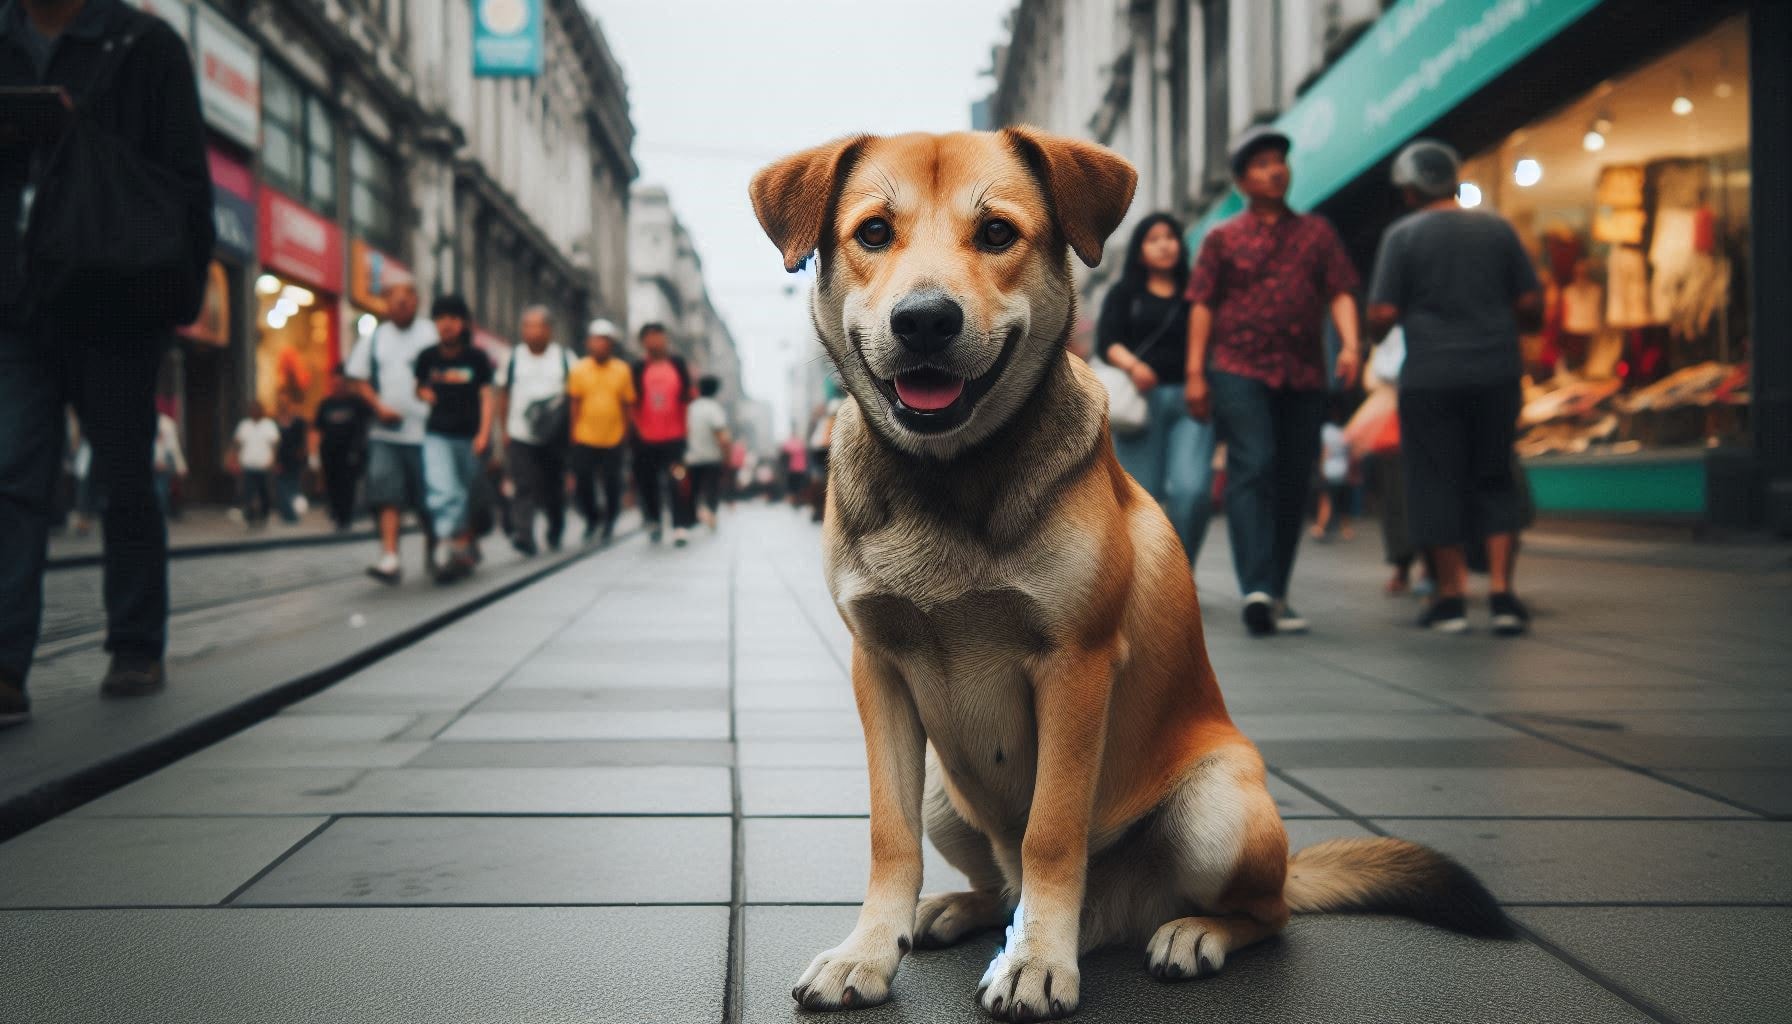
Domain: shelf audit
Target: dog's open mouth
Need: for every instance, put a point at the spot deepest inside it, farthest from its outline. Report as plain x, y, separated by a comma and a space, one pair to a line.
928, 390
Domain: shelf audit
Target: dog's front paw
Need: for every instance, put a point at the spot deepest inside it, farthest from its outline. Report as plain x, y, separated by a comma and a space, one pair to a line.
946, 918
849, 976
1026, 985
1186, 949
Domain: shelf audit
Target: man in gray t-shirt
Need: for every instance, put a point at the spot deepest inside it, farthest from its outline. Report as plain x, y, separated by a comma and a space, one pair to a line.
1457, 282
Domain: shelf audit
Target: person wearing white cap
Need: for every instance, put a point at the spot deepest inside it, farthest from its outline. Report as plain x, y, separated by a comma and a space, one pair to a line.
603, 393
1458, 283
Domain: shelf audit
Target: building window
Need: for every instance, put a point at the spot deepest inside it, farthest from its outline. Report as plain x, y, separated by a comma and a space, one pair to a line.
374, 194
298, 140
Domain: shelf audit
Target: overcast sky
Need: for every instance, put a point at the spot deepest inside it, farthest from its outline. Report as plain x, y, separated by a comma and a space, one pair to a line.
718, 88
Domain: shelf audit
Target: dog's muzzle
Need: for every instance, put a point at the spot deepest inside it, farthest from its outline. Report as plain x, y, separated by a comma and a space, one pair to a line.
930, 399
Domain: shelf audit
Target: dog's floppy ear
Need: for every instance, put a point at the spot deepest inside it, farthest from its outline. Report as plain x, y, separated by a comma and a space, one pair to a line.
791, 196
1090, 186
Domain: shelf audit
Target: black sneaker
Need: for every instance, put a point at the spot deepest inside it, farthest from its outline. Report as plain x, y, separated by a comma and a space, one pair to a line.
15, 707
1510, 616
133, 676
1260, 615
1446, 615
525, 546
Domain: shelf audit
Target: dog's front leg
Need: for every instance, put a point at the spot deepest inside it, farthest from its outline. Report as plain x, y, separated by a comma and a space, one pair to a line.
858, 971
1035, 976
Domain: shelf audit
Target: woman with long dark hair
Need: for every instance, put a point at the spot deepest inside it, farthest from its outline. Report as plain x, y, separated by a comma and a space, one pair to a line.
1143, 331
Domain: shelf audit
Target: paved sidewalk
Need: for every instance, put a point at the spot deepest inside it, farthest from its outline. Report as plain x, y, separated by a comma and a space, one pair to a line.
213, 529
635, 792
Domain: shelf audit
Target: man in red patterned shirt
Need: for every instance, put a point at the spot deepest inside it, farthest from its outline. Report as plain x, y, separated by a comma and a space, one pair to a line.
1262, 287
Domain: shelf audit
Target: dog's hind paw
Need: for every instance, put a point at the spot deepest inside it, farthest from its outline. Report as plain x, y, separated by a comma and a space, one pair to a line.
1027, 987
1184, 950
842, 979
946, 918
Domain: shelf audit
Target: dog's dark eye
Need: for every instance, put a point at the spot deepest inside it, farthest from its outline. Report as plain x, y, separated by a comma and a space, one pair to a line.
874, 233
997, 234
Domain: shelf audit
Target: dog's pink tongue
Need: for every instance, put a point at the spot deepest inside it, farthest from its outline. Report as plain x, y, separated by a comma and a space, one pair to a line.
928, 390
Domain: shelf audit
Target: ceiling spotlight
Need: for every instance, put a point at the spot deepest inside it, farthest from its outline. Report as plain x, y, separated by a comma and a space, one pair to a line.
267, 284
1723, 90
1468, 195
1593, 141
1682, 104
1527, 172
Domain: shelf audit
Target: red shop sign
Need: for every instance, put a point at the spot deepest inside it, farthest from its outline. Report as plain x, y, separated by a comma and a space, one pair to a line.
298, 242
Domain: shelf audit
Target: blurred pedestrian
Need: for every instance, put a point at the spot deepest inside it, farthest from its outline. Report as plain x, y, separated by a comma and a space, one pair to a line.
663, 382
454, 378
709, 446
794, 455
76, 330
1338, 476
602, 392
821, 441
341, 421
532, 405
1262, 286
169, 461
383, 368
290, 460
255, 455
1458, 283
1144, 332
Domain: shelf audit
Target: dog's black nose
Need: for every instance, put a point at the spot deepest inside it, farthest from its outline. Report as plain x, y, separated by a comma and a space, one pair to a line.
926, 322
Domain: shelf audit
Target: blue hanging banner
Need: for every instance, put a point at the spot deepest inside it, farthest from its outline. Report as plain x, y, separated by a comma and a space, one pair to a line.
507, 38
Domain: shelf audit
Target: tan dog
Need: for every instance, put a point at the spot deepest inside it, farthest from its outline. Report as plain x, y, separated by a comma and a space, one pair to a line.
1023, 608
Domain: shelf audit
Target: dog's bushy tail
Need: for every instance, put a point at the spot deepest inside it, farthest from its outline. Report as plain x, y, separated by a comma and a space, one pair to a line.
1393, 876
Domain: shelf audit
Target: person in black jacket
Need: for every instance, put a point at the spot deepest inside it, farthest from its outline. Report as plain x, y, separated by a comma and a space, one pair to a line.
91, 350
1143, 330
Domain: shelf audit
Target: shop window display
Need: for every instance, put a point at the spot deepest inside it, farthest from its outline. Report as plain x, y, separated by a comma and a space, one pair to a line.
297, 344
1634, 202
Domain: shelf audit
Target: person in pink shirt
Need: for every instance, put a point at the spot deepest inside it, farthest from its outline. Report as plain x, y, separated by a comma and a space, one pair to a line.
663, 384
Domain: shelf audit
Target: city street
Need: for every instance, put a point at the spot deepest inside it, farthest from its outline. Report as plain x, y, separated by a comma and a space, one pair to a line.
634, 790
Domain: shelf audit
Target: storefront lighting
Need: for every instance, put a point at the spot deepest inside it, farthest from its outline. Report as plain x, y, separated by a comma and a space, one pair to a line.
1682, 104
285, 308
1468, 195
1723, 90
1527, 172
1593, 141
298, 296
276, 318
267, 284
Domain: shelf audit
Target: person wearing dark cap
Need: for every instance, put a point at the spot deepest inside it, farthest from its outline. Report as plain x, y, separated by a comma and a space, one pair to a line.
1458, 282
1263, 285
454, 377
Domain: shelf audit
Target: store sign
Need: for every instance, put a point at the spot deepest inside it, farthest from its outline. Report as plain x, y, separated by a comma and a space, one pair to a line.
508, 38
229, 69
1415, 65
300, 243
233, 205
370, 274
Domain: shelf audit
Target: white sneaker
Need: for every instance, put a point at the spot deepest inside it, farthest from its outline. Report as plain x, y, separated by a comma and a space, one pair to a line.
387, 569
1259, 614
681, 537
1288, 620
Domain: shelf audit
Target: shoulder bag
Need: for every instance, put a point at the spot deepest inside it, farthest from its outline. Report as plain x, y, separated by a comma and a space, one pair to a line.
1128, 409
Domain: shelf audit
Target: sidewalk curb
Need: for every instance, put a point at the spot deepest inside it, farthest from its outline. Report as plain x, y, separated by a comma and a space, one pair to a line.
232, 547
30, 809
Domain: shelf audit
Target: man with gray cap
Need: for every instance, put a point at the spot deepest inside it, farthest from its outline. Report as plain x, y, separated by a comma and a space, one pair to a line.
602, 390
1457, 282
1262, 287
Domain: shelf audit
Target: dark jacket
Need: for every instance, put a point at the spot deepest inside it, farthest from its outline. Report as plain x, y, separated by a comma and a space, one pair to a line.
153, 106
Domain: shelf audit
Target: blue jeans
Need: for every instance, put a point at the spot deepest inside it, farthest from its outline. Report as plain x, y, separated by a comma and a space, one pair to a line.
111, 382
1272, 446
1172, 458
449, 468
286, 495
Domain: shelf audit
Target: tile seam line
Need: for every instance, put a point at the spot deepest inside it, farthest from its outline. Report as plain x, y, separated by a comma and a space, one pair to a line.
734, 957
273, 865
1548, 948
1494, 718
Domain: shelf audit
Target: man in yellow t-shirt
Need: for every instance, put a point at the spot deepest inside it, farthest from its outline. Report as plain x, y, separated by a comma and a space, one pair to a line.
602, 390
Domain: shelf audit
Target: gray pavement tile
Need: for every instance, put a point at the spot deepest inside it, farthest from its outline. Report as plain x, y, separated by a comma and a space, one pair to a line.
809, 860
1699, 724
1498, 792
1727, 965
797, 725
1767, 791
81, 862
1291, 802
1518, 752
589, 725
1617, 861
842, 753
1323, 969
818, 671
607, 698
198, 791
1305, 698
1372, 726
770, 697
344, 699
548, 965
442, 861
770, 792
1689, 752
574, 753
596, 673
318, 741
1592, 701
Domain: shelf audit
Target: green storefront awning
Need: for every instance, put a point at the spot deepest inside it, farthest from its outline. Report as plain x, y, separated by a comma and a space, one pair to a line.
1416, 64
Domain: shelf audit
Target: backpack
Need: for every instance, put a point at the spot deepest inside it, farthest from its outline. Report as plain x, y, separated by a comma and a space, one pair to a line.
549, 419
107, 229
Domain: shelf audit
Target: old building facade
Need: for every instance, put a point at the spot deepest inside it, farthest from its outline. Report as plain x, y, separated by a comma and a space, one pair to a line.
668, 288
